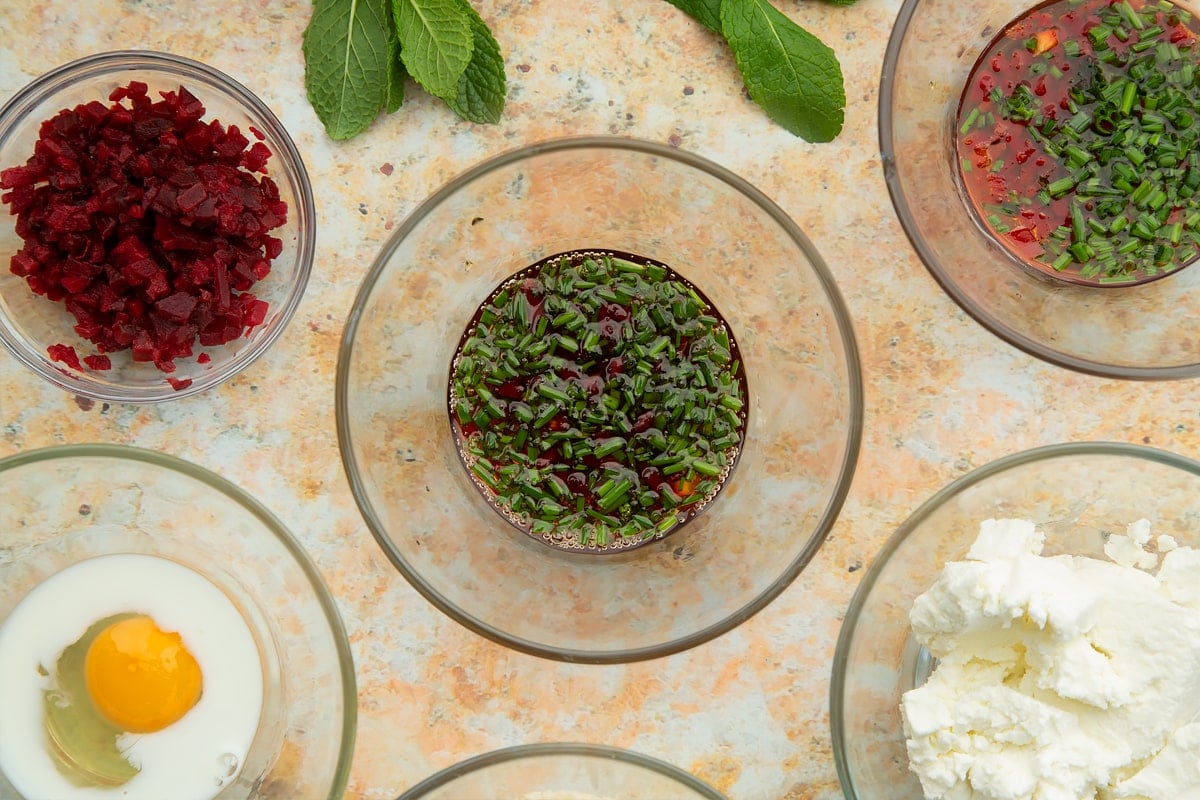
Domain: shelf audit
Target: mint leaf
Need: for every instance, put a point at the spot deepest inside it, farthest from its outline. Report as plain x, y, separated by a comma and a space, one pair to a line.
707, 12
346, 50
435, 43
397, 75
787, 70
480, 96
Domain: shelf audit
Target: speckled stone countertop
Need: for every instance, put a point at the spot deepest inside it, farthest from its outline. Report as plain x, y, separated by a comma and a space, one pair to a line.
748, 711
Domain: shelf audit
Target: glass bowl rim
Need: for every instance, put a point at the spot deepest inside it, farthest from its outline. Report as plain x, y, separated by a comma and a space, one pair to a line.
837, 684
15, 112
270, 522
1005, 332
838, 310
518, 752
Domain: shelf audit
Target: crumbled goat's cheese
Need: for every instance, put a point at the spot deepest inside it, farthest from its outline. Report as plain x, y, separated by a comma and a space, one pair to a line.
1058, 677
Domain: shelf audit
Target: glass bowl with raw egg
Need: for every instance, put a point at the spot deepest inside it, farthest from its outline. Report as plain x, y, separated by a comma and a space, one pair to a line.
1031, 630
599, 399
1042, 161
562, 771
162, 635
156, 226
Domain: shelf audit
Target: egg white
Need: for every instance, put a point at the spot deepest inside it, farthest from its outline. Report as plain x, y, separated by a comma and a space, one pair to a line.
189, 760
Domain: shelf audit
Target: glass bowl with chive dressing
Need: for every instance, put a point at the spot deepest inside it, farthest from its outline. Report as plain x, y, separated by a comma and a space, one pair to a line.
1042, 160
598, 400
571, 416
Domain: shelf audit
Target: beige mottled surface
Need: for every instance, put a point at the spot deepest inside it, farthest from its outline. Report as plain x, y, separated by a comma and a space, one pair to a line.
747, 712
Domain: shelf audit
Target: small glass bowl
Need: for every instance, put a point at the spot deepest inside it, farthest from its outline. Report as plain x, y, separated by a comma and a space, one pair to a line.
801, 363
30, 323
1077, 493
562, 772
1147, 331
69, 503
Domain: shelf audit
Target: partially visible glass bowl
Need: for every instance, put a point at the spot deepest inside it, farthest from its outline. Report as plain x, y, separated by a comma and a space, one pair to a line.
739, 249
562, 772
30, 323
69, 503
1138, 332
1077, 494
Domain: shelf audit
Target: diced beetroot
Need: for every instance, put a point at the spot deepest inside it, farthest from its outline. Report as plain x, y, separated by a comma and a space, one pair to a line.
158, 285
177, 307
148, 223
75, 283
64, 354
232, 143
143, 346
191, 197
138, 273
67, 218
255, 159
22, 264
16, 177
129, 250
189, 109
20, 198
131, 89
92, 113
255, 313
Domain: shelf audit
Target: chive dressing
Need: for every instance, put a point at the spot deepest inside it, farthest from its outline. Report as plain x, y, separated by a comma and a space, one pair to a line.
598, 400
1077, 136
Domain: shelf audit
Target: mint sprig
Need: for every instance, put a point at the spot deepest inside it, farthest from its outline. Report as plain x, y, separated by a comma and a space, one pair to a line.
479, 96
789, 72
358, 55
346, 63
435, 42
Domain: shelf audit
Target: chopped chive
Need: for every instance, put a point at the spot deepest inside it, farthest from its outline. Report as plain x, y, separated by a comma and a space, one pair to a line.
535, 394
1127, 147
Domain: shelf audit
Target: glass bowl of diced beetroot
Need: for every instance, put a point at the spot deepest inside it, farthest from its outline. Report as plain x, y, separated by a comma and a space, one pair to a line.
156, 226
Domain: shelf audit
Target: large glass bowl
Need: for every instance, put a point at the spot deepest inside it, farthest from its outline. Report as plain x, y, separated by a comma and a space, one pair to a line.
745, 254
562, 772
30, 323
66, 504
1144, 332
1077, 493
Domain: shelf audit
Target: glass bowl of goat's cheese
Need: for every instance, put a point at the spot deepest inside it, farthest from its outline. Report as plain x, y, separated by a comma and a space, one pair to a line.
1031, 631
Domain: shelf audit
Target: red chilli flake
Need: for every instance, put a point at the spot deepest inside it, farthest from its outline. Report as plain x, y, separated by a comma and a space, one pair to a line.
148, 223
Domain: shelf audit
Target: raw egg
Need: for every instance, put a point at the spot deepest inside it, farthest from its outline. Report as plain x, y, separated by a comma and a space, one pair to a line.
127, 676
140, 678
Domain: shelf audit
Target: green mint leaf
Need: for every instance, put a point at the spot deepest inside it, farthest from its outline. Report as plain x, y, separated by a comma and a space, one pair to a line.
480, 96
345, 50
707, 12
788, 71
397, 75
435, 42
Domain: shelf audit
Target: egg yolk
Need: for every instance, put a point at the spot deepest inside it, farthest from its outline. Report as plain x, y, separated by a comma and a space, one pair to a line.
139, 677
